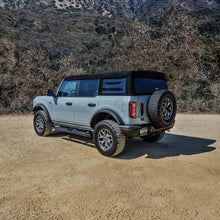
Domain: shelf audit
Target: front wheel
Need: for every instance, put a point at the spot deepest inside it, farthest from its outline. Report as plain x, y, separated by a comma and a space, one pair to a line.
42, 124
108, 138
155, 137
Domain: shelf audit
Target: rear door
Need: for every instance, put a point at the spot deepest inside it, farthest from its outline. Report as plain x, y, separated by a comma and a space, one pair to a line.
86, 102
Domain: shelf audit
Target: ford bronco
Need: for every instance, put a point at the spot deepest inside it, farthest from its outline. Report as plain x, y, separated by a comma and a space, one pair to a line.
108, 107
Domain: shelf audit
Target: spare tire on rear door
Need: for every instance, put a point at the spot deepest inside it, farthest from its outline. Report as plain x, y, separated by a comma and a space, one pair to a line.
162, 108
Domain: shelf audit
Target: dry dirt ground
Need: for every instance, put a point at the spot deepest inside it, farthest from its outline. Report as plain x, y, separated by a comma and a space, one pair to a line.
64, 177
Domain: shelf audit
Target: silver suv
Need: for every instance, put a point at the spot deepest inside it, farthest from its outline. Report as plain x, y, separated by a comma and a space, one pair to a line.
109, 107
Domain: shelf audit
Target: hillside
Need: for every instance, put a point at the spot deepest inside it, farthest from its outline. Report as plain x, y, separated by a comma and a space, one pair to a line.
112, 8
41, 42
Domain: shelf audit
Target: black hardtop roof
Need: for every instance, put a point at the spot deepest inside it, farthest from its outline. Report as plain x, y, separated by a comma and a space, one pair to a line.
123, 74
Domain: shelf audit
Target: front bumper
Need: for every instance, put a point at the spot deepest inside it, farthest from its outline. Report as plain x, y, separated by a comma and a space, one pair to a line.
142, 130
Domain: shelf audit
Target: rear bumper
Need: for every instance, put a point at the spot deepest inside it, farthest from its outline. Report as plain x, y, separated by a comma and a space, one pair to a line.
142, 130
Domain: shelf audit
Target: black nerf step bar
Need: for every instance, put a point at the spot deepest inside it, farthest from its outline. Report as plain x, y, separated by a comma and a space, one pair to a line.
73, 131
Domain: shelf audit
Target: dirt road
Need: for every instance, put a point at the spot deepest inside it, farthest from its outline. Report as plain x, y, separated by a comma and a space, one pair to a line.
64, 177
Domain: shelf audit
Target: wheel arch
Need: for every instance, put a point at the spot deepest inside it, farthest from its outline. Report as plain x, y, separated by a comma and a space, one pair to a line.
41, 107
103, 115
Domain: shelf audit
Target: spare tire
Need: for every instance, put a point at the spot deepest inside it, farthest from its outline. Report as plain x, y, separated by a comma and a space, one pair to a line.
162, 108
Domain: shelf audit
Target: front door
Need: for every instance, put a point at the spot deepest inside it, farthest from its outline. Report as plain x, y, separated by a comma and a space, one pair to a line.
63, 107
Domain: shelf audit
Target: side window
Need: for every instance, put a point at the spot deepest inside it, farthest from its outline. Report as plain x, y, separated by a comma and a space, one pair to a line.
113, 86
88, 88
68, 89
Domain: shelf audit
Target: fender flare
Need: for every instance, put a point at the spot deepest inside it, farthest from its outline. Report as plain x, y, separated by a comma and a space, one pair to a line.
109, 112
42, 107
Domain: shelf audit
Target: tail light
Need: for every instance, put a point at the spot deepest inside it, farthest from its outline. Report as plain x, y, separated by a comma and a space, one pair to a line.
133, 109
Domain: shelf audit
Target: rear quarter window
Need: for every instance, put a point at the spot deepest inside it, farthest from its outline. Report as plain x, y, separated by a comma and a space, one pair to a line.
113, 86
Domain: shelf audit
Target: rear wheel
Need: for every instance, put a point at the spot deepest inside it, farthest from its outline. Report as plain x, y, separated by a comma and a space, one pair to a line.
108, 138
154, 138
42, 124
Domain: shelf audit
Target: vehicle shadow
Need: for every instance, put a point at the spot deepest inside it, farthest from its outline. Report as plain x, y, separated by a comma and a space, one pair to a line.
74, 138
171, 145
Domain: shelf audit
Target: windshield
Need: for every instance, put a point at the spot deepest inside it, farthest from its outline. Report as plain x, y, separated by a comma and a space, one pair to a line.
145, 86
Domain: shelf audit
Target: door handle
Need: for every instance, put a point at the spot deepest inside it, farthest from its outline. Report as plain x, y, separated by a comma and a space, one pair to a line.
69, 103
91, 104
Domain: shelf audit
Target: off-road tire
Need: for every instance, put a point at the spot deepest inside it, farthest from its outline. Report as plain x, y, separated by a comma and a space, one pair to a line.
118, 138
46, 123
154, 108
154, 138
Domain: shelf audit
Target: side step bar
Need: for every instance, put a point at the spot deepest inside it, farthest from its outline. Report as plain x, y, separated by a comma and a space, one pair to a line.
73, 131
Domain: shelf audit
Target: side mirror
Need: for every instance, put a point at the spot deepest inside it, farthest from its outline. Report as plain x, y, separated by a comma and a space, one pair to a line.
50, 92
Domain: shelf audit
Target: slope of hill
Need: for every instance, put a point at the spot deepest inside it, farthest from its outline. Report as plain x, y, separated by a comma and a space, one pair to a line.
40, 44
127, 8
